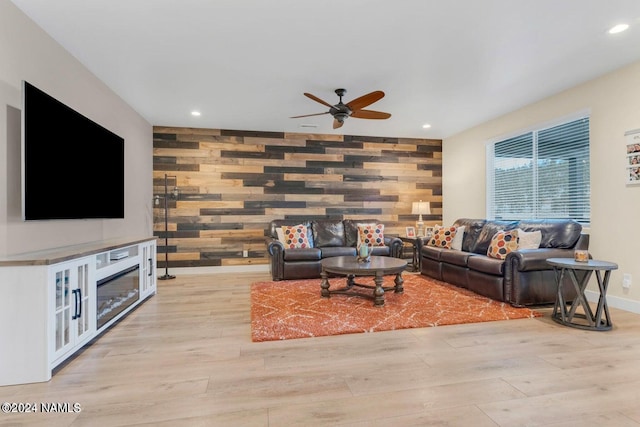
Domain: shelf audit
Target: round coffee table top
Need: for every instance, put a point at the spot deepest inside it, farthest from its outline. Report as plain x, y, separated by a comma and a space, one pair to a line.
350, 265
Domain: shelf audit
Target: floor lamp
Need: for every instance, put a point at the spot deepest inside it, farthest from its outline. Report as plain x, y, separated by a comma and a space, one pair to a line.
173, 194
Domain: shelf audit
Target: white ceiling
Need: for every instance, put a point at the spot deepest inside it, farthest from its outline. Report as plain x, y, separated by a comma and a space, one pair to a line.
246, 63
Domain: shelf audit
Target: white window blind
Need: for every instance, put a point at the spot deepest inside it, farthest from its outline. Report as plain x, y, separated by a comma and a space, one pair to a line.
541, 174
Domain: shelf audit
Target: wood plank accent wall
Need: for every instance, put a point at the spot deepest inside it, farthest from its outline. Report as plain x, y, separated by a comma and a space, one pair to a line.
232, 183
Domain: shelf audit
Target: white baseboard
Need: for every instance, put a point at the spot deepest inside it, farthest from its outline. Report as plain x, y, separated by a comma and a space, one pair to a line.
615, 302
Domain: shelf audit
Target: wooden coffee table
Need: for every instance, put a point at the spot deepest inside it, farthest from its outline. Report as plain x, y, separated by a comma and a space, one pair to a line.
378, 267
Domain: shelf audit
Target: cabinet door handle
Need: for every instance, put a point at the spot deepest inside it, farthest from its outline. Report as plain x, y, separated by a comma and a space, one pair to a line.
79, 305
75, 295
150, 267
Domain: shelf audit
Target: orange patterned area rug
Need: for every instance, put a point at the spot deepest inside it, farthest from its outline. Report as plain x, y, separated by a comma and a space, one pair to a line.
294, 308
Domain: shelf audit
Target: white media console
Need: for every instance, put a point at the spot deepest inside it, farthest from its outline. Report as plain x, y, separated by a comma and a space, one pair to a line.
54, 302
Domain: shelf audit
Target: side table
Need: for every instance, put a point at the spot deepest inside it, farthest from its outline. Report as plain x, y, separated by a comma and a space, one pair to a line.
416, 246
565, 312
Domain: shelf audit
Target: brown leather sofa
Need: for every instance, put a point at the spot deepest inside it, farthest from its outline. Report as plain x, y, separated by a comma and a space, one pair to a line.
327, 238
523, 277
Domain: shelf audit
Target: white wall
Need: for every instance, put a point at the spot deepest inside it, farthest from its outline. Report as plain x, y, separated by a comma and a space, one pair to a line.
614, 102
28, 53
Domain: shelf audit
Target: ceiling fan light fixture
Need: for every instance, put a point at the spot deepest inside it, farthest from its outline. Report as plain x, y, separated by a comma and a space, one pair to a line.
341, 116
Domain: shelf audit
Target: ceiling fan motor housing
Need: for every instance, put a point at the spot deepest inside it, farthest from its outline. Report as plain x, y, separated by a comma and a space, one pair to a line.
340, 112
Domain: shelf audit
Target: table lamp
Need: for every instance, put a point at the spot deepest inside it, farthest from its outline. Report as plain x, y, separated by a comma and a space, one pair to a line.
420, 208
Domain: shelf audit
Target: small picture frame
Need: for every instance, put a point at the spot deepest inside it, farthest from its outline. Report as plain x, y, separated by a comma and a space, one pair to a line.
428, 231
411, 232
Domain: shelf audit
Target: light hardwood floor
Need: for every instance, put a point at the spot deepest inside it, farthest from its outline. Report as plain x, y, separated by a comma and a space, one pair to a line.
185, 358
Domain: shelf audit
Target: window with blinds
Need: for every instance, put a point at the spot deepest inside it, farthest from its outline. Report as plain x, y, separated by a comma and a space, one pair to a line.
541, 174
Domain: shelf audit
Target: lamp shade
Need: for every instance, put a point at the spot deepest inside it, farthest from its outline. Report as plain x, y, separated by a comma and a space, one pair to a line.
420, 208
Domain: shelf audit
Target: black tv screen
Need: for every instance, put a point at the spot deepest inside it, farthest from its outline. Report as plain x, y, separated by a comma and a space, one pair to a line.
73, 168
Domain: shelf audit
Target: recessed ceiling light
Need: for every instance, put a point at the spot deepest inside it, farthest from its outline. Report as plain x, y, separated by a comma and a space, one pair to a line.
618, 28
426, 126
195, 113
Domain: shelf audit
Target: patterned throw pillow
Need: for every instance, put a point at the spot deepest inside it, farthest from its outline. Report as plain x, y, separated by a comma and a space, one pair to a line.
295, 236
371, 234
443, 237
502, 243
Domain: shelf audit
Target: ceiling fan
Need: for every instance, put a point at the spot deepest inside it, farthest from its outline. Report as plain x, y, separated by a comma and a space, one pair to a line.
341, 111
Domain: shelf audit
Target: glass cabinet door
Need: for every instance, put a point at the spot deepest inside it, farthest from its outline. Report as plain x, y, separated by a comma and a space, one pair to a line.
72, 309
62, 308
84, 295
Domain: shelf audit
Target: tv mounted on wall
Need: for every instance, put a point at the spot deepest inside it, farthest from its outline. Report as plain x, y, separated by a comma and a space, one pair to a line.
72, 167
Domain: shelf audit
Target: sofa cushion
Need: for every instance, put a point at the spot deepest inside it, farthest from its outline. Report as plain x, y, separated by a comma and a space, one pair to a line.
431, 252
486, 264
503, 243
295, 236
331, 251
302, 254
442, 237
472, 229
328, 233
380, 251
371, 234
489, 229
455, 257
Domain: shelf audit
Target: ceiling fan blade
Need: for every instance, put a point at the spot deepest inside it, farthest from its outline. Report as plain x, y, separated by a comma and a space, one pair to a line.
370, 114
315, 98
365, 100
337, 124
309, 115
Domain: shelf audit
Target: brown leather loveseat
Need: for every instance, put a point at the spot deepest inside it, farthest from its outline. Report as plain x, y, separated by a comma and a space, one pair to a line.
523, 277
326, 238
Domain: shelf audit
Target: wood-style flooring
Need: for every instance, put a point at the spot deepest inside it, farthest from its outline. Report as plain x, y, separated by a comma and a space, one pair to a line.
185, 358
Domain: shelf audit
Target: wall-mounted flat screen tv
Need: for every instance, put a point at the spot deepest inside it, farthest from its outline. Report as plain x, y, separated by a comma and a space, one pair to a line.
72, 168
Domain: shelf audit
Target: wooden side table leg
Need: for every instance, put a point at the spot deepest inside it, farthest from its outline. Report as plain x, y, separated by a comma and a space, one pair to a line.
560, 305
324, 284
602, 301
580, 298
378, 293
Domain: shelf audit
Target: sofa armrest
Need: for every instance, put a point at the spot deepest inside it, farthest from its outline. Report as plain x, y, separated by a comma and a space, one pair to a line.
395, 246
276, 251
534, 259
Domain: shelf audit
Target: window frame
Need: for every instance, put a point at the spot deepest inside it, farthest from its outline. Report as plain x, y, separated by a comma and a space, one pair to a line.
534, 130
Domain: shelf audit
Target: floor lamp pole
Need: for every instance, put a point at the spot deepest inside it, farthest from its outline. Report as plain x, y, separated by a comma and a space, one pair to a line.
166, 232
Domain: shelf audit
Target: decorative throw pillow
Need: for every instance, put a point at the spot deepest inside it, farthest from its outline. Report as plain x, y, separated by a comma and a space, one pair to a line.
457, 240
502, 243
443, 237
280, 235
295, 236
529, 239
371, 234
